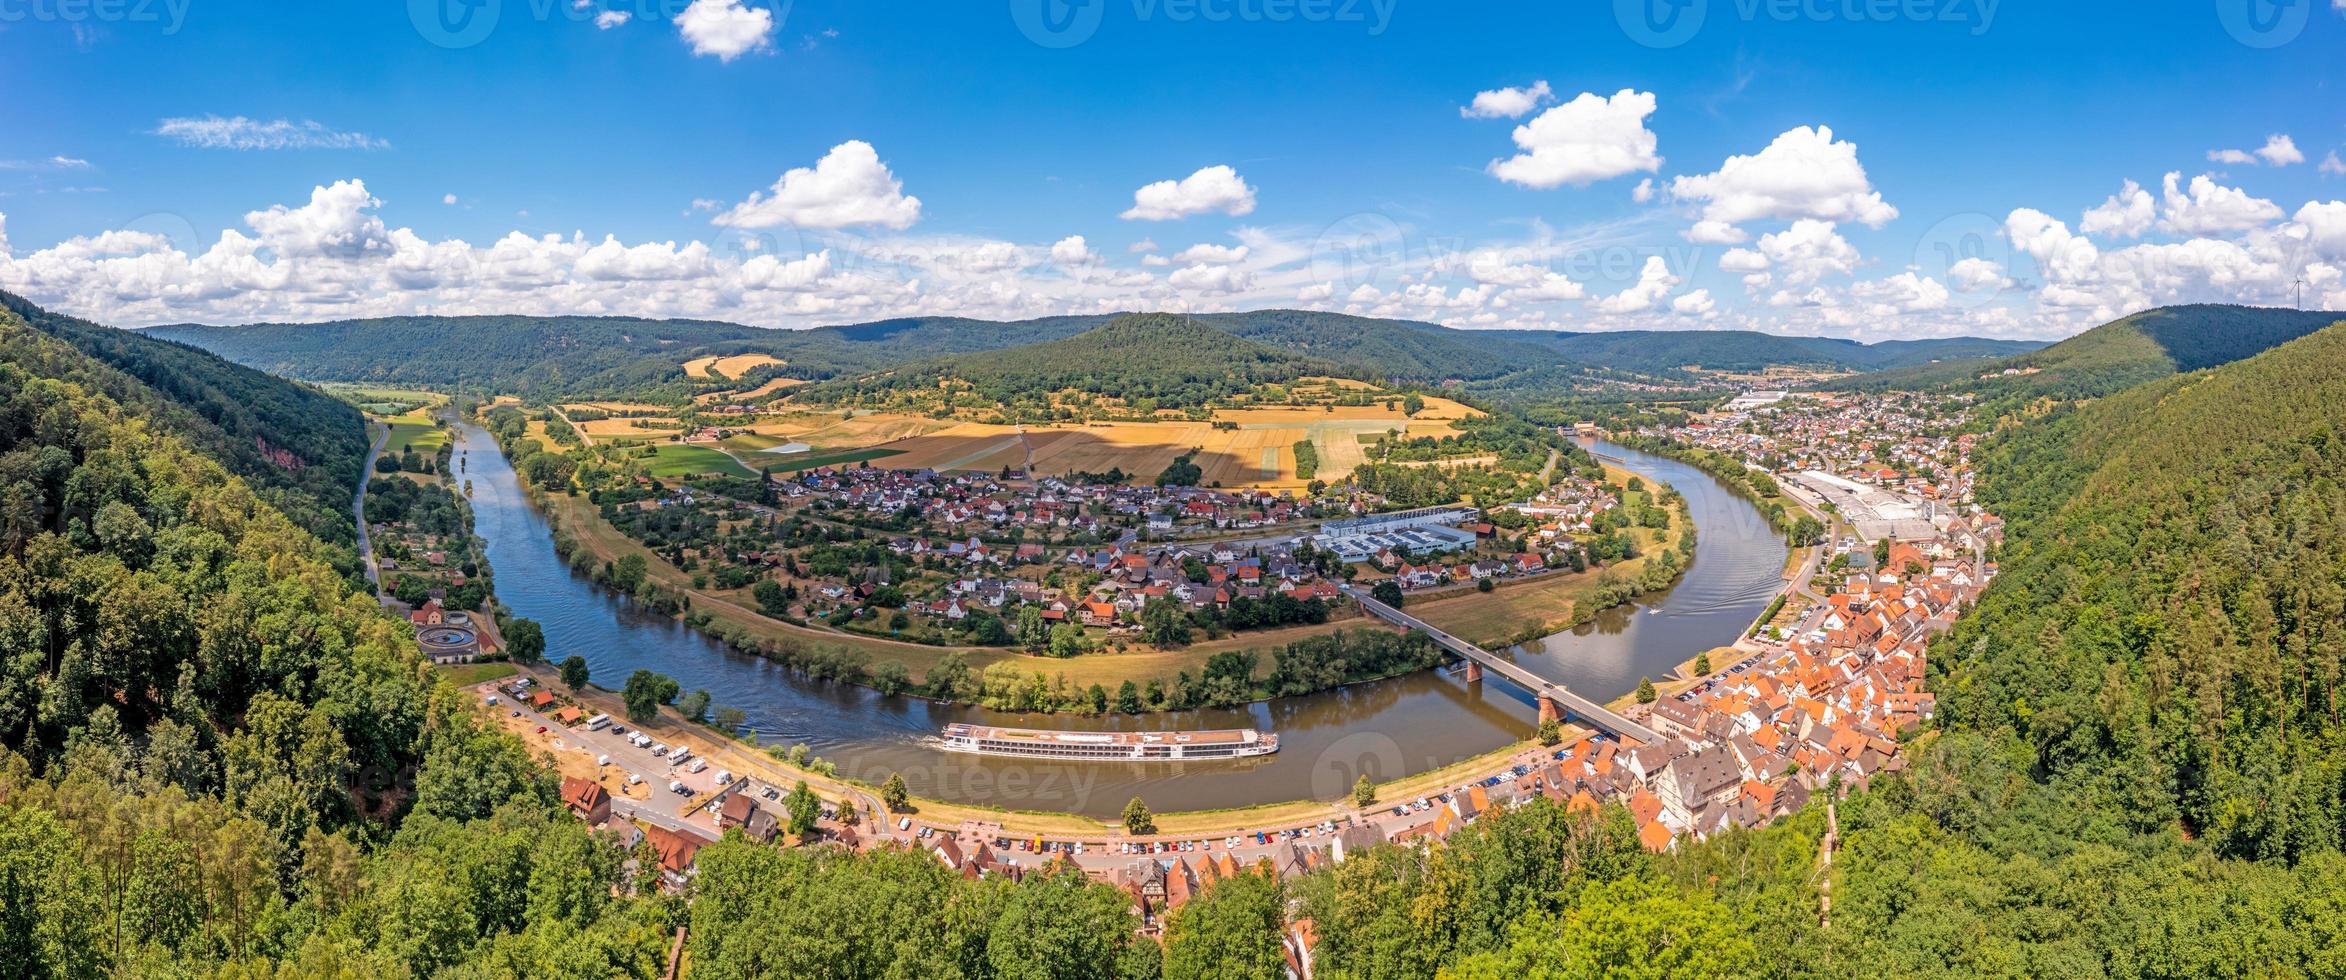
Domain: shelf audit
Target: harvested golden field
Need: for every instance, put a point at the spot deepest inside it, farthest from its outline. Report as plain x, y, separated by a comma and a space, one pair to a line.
733, 366
1240, 457
1259, 452
967, 446
620, 408
853, 431
631, 428
761, 391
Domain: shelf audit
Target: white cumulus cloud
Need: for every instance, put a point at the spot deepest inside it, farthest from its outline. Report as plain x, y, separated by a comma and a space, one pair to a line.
2279, 151
2126, 214
1212, 254
1695, 303
1977, 274
1588, 139
1808, 251
725, 28
2210, 207
848, 186
1073, 251
1508, 103
1803, 173
1654, 281
1215, 188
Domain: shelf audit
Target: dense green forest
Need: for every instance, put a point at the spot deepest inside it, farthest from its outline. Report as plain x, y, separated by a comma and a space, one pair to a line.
1402, 350
2173, 629
535, 357
1142, 363
218, 759
2115, 356
1666, 352
544, 358
297, 447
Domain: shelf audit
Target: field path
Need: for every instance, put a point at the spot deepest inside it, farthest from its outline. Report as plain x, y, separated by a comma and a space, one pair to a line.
583, 439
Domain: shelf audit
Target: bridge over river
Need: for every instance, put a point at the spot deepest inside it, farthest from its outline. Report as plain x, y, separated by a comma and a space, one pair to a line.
1554, 698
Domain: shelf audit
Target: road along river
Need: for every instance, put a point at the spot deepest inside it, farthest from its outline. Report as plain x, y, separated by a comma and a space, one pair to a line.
1386, 729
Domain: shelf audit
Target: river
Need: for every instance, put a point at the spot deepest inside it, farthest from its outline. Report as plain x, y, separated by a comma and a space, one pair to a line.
1385, 729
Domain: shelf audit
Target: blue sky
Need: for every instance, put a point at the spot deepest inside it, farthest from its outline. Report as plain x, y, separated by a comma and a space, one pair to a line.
961, 145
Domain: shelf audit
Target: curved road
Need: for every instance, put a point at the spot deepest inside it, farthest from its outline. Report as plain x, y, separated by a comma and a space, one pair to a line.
358, 509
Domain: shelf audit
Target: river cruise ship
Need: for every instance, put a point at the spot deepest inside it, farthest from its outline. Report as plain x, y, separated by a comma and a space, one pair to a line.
1110, 746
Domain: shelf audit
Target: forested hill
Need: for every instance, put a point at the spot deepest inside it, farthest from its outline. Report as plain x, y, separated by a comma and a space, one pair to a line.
1404, 350
2144, 347
1144, 361
551, 357
529, 355
1665, 352
2170, 629
299, 448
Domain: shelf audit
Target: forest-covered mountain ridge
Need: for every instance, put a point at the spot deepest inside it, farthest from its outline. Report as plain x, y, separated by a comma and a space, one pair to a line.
298, 447
1141, 362
548, 357
2129, 351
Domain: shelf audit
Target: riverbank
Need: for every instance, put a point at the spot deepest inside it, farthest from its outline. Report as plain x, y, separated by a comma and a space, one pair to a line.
1427, 721
746, 759
1512, 612
1525, 610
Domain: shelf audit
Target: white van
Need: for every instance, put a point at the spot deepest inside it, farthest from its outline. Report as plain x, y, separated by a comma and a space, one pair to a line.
634, 780
724, 776
602, 760
698, 765
904, 825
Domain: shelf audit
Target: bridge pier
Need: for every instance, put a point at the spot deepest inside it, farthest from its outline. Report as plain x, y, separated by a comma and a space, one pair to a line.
1548, 710
1474, 672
